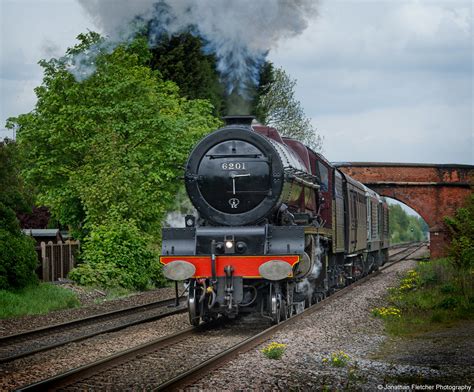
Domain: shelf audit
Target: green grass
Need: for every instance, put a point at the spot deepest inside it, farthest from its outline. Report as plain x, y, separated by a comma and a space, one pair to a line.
39, 299
112, 293
430, 297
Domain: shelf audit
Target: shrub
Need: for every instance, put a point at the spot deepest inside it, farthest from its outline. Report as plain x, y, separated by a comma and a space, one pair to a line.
448, 288
274, 350
116, 253
337, 359
461, 250
433, 293
384, 313
18, 259
448, 303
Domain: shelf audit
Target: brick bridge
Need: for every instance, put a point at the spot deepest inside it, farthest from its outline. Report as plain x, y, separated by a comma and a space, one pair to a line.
432, 190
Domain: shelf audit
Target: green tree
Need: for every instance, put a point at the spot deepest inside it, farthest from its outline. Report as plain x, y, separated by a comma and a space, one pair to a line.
265, 80
461, 250
115, 140
278, 107
404, 227
13, 193
104, 153
18, 258
181, 58
118, 254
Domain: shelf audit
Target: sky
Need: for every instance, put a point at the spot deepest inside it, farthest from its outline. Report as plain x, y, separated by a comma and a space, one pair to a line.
385, 81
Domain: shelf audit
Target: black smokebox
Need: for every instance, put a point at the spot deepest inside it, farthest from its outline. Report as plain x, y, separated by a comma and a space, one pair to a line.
239, 120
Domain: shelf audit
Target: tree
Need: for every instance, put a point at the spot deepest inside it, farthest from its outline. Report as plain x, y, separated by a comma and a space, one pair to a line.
116, 139
118, 254
18, 258
104, 153
278, 107
404, 227
181, 58
266, 78
13, 193
461, 249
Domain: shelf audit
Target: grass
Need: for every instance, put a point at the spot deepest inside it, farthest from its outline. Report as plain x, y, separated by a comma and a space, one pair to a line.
39, 299
429, 297
111, 293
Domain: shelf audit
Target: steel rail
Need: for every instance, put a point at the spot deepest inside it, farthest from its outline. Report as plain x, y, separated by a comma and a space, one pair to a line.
403, 244
196, 372
410, 250
93, 368
56, 328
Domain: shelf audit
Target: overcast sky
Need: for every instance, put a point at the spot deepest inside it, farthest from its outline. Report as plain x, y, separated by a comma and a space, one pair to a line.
381, 80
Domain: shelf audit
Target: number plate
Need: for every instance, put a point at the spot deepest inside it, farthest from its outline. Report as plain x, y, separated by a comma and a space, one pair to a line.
233, 166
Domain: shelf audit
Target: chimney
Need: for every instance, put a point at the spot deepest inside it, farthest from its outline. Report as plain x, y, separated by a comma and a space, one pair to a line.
239, 120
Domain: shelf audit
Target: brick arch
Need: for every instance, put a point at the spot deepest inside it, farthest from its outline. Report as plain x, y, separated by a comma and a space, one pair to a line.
433, 191
407, 198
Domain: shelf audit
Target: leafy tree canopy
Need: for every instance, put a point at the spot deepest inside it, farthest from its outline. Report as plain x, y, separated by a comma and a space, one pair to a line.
181, 58
116, 140
118, 254
278, 107
461, 230
12, 189
17, 253
404, 227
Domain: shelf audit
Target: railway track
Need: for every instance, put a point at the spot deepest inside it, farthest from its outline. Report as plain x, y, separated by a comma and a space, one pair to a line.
168, 364
20, 345
408, 250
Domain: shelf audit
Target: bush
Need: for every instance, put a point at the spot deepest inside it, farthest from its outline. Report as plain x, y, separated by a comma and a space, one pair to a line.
274, 350
461, 250
432, 293
18, 259
116, 253
337, 359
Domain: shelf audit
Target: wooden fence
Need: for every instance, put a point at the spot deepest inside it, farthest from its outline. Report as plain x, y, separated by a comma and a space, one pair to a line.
56, 259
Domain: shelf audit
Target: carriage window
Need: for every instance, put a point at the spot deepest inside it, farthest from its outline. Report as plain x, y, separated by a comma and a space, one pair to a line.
323, 172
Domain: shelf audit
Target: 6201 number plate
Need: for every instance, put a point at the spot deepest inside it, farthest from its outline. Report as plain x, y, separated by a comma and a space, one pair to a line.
233, 166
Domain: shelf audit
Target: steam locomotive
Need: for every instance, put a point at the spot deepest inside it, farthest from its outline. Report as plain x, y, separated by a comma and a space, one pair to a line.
278, 226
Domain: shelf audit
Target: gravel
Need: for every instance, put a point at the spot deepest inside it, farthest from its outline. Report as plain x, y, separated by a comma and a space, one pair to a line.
344, 324
148, 370
37, 367
93, 303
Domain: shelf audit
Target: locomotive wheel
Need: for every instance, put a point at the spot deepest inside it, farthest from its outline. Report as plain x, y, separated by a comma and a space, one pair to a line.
193, 306
275, 302
289, 302
308, 301
284, 311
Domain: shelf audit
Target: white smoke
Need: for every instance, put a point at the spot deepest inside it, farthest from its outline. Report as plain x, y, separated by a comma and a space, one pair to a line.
240, 33
316, 270
306, 286
82, 65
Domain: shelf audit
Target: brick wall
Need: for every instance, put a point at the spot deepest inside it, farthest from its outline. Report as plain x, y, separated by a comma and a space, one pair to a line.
433, 191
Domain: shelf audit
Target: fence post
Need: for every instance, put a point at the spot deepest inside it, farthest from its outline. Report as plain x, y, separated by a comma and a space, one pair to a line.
71, 264
61, 255
44, 262
52, 261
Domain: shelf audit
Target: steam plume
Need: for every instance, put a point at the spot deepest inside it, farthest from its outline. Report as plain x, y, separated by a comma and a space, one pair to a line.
240, 33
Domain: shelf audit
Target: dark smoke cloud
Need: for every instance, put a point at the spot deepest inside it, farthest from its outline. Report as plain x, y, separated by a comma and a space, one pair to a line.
240, 33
